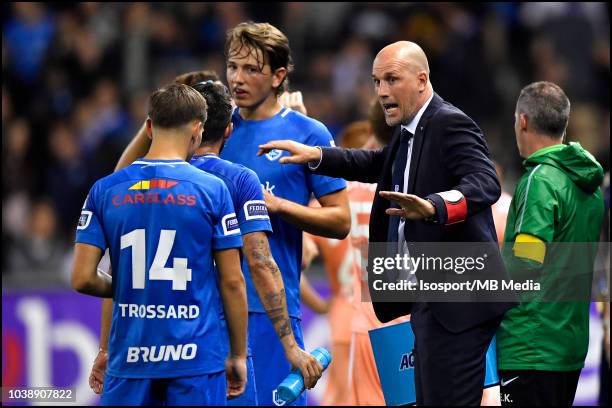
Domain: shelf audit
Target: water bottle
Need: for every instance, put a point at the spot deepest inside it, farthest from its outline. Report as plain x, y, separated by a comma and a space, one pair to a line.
293, 385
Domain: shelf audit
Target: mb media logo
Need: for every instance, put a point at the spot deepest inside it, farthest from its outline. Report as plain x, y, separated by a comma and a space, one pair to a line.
277, 400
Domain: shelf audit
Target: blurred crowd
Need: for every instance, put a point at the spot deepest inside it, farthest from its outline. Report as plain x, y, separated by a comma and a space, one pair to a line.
75, 78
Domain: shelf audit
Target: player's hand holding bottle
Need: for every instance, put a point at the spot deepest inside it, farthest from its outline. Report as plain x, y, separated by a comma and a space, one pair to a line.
308, 365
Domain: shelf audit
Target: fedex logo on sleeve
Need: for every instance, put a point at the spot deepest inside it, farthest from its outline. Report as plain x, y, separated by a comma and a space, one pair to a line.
229, 223
255, 210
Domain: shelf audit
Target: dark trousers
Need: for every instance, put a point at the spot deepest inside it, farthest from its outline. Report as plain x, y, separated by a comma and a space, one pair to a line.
604, 378
449, 367
534, 388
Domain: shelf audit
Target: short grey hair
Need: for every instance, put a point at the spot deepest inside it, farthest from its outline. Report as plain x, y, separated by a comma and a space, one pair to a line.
546, 106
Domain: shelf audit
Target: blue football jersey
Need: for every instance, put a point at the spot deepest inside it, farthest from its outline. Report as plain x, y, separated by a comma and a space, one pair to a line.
247, 197
162, 220
244, 188
290, 181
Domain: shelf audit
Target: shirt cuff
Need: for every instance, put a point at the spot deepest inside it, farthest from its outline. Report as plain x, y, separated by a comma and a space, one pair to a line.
312, 165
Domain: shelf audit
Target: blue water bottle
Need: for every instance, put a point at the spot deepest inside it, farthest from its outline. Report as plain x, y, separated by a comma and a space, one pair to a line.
293, 385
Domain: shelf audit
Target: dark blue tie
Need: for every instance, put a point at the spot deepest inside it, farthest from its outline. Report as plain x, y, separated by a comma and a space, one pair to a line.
397, 179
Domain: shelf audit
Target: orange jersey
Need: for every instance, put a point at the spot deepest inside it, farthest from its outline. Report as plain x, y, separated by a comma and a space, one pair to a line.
338, 262
351, 314
342, 260
500, 214
364, 319
364, 383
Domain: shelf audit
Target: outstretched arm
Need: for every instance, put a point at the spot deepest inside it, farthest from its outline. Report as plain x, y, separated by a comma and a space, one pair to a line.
350, 164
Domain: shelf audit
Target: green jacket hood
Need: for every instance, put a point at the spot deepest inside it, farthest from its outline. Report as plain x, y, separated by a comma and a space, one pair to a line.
579, 165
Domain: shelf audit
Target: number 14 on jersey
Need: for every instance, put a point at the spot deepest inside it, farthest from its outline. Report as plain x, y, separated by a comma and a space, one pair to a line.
179, 274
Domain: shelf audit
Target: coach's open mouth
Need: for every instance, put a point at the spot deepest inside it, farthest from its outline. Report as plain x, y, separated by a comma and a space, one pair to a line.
390, 107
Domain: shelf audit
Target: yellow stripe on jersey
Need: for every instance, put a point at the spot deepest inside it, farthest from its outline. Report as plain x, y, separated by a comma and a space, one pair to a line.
136, 186
529, 247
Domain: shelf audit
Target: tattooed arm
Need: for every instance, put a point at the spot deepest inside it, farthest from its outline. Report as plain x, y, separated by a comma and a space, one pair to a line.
268, 282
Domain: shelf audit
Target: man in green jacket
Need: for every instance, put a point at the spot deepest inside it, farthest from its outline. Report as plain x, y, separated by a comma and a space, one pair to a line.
551, 238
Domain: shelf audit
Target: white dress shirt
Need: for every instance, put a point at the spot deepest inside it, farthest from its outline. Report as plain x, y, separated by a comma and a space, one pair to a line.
411, 127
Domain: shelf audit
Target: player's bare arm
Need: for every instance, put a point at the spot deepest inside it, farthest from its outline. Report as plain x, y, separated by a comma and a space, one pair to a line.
309, 251
311, 298
293, 100
138, 147
85, 276
331, 220
268, 282
233, 293
98, 370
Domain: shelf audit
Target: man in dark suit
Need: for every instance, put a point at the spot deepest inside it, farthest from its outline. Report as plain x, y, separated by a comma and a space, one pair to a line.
436, 183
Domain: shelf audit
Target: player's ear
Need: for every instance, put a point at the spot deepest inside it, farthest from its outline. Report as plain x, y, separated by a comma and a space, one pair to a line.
197, 127
228, 131
523, 121
149, 128
196, 135
279, 76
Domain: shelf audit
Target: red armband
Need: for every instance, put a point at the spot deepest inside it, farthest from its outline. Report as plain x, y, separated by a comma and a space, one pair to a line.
456, 206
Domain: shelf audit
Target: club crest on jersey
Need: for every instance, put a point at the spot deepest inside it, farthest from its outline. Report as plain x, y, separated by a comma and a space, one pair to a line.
229, 223
274, 154
277, 399
255, 210
157, 183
